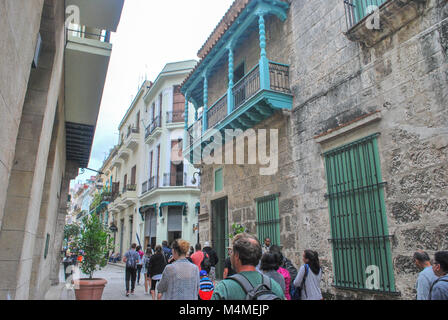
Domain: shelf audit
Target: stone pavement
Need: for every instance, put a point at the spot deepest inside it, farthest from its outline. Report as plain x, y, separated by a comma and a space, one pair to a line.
115, 287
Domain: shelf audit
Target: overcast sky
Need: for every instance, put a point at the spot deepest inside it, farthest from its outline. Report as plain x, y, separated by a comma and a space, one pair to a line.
151, 33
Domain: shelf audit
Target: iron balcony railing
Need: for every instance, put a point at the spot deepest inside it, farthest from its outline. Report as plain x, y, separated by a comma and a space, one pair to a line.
176, 179
195, 131
356, 10
242, 91
246, 88
175, 116
157, 123
132, 130
103, 36
217, 112
149, 185
129, 187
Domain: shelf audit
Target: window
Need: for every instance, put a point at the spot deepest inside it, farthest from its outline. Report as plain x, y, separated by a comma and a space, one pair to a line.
359, 9
219, 180
359, 233
268, 219
47, 244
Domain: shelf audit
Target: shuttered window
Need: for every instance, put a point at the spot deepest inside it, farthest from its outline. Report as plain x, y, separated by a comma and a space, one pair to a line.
219, 181
268, 219
360, 237
363, 8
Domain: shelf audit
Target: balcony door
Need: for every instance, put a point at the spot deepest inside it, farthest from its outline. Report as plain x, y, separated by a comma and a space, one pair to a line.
125, 182
133, 175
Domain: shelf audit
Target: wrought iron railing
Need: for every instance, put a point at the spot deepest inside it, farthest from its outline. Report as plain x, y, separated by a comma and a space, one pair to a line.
129, 187
157, 123
149, 185
195, 131
279, 77
176, 179
246, 88
243, 90
356, 10
132, 130
103, 36
175, 116
217, 112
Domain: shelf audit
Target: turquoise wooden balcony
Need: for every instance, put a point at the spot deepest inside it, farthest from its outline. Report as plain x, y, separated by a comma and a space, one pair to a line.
255, 97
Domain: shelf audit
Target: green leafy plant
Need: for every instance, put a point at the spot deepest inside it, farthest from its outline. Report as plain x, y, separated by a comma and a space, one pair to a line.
71, 231
95, 242
237, 229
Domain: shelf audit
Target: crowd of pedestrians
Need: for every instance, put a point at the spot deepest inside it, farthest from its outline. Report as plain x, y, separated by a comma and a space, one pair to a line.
252, 271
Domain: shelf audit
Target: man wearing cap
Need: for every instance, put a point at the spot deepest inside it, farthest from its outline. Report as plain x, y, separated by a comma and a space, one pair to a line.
213, 259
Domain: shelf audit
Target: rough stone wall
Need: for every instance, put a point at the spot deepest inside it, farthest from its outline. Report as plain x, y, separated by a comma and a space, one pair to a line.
243, 184
405, 77
19, 24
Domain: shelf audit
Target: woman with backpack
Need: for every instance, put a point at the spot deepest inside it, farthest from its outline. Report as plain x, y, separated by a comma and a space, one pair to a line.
146, 259
157, 264
309, 277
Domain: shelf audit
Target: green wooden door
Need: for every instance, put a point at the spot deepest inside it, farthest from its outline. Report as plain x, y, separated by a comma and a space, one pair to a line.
219, 233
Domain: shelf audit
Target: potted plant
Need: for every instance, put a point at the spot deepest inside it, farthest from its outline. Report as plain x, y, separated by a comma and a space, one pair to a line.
94, 242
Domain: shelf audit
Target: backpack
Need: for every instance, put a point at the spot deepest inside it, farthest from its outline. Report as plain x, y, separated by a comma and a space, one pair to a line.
296, 292
132, 259
432, 286
147, 264
205, 263
261, 292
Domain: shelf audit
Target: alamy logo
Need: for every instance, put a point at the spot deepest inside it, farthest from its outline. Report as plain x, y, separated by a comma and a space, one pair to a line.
373, 277
373, 21
73, 16
257, 144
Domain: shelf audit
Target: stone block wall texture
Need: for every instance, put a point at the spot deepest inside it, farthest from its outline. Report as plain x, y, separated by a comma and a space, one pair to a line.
404, 76
335, 81
20, 25
30, 205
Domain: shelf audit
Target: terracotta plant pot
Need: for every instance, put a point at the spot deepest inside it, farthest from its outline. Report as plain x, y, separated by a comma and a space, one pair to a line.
89, 289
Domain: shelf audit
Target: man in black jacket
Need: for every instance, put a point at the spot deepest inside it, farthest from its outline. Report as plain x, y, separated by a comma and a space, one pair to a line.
213, 260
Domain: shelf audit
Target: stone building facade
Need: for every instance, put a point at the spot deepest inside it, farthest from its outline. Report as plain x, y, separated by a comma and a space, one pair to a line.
38, 125
352, 86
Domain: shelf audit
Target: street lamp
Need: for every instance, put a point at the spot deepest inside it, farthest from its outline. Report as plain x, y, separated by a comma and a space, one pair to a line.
194, 180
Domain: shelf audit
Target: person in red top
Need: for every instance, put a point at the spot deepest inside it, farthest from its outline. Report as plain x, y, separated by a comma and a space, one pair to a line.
198, 256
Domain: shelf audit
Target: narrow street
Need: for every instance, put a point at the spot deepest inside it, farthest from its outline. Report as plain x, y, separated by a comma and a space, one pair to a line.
115, 287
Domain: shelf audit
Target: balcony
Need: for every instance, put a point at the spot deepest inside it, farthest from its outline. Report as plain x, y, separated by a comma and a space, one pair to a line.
150, 185
255, 95
153, 130
131, 140
364, 27
252, 104
129, 195
175, 119
123, 153
177, 179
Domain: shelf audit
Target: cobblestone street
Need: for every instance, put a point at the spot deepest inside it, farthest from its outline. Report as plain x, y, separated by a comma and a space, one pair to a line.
115, 287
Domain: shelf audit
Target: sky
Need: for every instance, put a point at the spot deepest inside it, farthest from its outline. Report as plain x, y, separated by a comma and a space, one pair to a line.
150, 34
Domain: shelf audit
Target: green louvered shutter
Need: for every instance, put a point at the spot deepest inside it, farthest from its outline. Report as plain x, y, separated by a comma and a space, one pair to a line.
360, 237
219, 182
268, 219
365, 7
